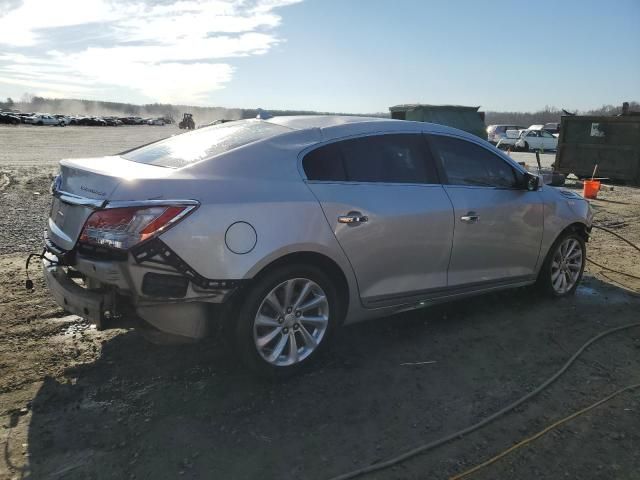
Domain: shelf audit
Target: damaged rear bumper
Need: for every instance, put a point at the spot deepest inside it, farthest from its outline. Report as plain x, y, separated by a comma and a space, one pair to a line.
93, 306
111, 292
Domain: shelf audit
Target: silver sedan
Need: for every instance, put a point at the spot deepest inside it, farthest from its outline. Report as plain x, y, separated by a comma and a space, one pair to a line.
281, 230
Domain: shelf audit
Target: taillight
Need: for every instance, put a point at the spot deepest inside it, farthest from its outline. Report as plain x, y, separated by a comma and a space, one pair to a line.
122, 228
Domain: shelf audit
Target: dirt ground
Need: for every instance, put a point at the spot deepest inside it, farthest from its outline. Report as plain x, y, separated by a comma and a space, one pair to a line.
76, 403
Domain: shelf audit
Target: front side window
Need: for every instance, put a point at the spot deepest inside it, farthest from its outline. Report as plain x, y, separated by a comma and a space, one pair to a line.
466, 163
202, 144
392, 158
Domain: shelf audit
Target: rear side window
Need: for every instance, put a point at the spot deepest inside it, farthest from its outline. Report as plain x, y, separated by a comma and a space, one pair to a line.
465, 163
393, 158
187, 148
325, 164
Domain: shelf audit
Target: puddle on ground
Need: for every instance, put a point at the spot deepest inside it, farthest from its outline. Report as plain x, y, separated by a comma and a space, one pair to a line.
584, 290
602, 295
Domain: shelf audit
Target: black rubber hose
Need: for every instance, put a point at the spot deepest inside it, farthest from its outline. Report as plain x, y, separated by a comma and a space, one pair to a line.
436, 443
617, 235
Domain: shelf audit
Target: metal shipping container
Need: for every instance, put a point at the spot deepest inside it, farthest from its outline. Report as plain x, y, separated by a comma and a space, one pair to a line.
613, 143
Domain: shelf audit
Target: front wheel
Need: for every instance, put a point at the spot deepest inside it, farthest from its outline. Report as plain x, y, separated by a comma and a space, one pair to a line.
286, 319
564, 265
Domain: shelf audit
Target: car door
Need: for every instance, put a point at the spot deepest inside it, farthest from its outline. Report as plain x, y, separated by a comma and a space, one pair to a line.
381, 197
498, 223
534, 140
549, 142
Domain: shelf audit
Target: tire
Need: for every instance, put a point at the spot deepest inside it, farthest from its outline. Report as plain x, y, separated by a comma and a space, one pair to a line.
260, 321
571, 270
39, 123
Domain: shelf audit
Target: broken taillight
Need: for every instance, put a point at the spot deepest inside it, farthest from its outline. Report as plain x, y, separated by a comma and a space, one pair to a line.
122, 228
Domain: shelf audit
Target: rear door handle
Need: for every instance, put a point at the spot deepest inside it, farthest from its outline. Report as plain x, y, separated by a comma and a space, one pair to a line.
470, 217
353, 218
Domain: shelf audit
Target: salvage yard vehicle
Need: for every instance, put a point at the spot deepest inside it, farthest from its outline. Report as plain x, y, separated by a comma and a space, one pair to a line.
287, 228
187, 122
509, 140
536, 140
495, 133
43, 119
9, 118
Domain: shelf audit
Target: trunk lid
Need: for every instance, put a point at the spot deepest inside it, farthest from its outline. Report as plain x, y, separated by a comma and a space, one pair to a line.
85, 184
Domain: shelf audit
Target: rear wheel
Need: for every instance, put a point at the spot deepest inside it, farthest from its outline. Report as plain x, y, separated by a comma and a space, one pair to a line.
286, 319
564, 265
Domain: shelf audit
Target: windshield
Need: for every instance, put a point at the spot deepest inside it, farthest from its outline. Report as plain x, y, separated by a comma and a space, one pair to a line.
188, 148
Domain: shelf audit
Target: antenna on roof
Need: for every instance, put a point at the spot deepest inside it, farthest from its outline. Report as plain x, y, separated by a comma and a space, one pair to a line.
263, 115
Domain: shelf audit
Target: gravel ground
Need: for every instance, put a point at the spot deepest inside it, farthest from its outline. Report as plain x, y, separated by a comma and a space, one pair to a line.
76, 403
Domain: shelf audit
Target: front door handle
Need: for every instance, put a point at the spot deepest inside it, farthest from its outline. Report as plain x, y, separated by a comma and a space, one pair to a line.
470, 217
353, 218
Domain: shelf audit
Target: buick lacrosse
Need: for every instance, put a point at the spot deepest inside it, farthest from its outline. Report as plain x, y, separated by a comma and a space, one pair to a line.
283, 229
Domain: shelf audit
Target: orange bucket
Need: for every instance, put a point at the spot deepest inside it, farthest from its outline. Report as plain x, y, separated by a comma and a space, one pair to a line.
590, 189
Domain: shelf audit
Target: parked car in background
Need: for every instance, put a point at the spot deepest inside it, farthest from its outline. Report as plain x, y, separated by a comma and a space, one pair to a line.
497, 132
536, 140
91, 122
63, 119
156, 121
9, 118
43, 119
510, 139
553, 128
112, 121
299, 225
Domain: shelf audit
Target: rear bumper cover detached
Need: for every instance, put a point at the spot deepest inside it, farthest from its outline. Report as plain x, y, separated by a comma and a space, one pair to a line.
112, 287
72, 297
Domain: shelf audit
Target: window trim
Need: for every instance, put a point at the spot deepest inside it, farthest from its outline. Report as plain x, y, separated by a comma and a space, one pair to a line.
443, 174
303, 153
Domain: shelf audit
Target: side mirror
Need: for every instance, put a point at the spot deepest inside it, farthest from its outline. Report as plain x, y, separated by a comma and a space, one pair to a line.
532, 182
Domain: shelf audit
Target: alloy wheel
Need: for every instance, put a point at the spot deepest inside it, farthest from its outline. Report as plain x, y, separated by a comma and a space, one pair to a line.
291, 322
566, 265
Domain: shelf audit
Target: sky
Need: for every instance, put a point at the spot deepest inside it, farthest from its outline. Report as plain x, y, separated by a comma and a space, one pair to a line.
357, 56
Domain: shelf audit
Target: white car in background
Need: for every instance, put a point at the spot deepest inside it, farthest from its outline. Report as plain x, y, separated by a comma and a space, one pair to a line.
510, 139
43, 119
495, 133
536, 140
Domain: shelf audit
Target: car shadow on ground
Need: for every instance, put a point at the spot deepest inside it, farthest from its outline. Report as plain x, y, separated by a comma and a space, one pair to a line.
147, 411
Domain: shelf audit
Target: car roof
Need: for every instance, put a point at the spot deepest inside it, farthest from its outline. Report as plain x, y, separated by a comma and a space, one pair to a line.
337, 126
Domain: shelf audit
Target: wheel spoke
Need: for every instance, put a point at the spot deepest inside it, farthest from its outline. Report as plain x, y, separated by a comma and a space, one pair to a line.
277, 350
568, 280
317, 321
557, 282
303, 294
309, 341
272, 300
576, 254
293, 348
554, 275
265, 339
313, 303
265, 321
288, 292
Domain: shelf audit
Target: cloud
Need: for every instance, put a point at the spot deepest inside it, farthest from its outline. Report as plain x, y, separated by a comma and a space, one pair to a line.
167, 51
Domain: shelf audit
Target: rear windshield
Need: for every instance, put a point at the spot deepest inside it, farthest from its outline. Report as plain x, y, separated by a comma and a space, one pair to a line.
191, 147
